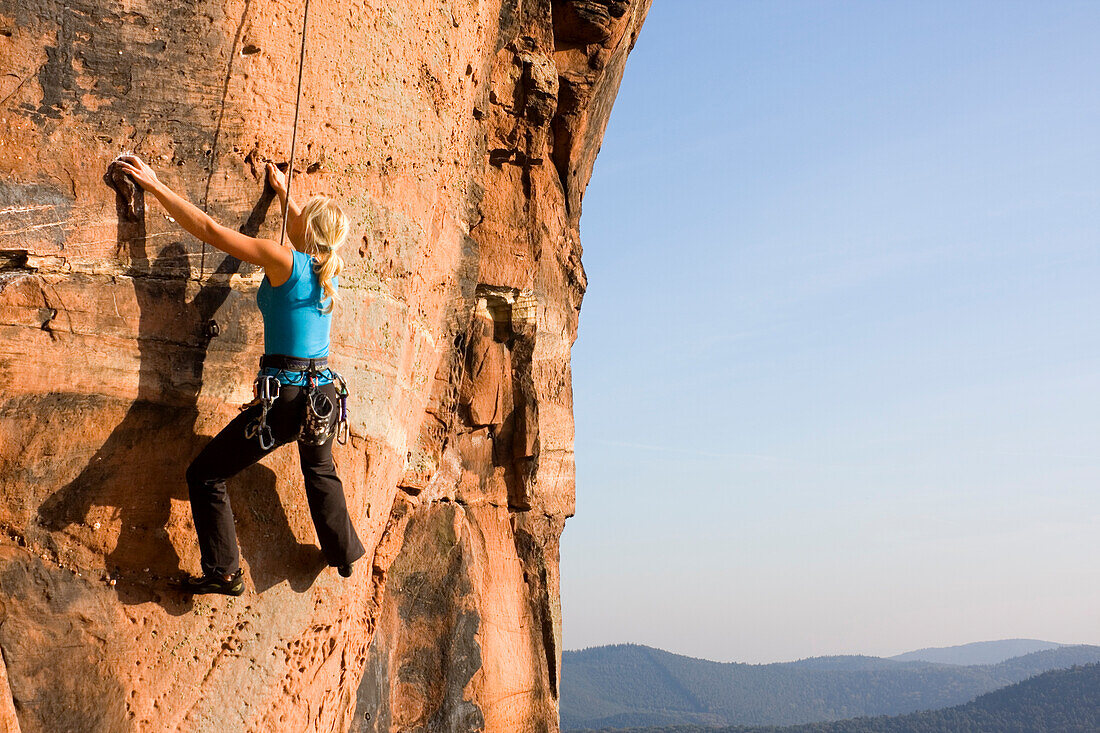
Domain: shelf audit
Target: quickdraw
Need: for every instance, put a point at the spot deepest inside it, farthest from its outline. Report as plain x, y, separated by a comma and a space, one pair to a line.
318, 425
266, 389
342, 420
317, 415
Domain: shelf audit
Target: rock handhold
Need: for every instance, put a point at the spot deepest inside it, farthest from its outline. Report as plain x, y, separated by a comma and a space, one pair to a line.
130, 201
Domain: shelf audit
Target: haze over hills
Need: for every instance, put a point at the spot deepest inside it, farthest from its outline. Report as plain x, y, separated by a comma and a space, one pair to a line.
630, 685
1063, 700
979, 652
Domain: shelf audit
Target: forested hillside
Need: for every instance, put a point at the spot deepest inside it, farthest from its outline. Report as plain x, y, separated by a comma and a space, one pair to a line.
634, 686
1061, 701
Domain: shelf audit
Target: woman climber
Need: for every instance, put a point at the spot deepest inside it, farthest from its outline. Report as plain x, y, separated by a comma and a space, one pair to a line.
296, 392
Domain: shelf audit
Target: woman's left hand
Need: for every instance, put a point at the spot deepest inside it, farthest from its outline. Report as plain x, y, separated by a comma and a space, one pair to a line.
136, 168
277, 179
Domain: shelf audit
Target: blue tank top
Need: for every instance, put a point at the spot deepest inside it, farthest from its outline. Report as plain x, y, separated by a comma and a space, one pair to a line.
293, 322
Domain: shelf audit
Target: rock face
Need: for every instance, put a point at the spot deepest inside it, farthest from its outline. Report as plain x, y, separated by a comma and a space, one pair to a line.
461, 136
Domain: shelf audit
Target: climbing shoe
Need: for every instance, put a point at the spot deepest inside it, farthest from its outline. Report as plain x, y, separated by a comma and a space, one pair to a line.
215, 584
345, 570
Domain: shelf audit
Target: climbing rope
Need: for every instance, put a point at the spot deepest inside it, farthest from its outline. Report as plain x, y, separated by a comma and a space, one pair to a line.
293, 139
294, 129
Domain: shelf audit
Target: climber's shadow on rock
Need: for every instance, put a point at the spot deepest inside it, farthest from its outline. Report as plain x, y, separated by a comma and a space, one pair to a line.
140, 469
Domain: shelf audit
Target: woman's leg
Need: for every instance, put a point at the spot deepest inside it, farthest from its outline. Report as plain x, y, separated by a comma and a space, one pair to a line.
340, 543
228, 453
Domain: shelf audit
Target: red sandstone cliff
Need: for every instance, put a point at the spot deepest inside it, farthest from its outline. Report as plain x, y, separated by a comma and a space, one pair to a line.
461, 136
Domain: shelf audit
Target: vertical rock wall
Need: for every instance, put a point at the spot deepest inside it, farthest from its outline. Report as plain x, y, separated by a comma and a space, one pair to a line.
460, 135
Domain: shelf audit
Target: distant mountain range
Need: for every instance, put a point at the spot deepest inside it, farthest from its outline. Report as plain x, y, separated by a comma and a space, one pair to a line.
1061, 701
634, 686
980, 652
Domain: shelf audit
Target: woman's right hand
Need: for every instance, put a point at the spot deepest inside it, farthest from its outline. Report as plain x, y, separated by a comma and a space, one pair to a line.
277, 179
136, 168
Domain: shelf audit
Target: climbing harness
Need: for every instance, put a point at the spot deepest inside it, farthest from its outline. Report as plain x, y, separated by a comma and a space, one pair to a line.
317, 423
266, 389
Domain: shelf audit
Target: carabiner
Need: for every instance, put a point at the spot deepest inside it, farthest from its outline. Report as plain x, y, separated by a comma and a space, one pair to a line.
266, 437
267, 388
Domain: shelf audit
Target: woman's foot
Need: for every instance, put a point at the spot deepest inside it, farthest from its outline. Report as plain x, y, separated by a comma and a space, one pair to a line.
345, 570
231, 586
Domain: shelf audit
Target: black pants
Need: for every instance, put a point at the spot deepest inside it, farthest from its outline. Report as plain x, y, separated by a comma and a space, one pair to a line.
231, 451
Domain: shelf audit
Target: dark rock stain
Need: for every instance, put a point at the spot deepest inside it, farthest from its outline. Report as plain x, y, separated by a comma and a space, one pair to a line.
436, 641
56, 670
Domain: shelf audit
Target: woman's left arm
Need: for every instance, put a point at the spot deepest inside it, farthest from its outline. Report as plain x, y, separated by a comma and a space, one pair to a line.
264, 252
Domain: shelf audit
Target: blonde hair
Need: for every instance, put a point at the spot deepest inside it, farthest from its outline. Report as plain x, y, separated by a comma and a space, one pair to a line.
326, 228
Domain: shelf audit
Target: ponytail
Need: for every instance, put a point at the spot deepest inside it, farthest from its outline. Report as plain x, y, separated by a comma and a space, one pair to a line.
326, 229
326, 270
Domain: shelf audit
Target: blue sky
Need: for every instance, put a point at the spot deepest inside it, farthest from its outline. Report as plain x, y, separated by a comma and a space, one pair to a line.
837, 382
